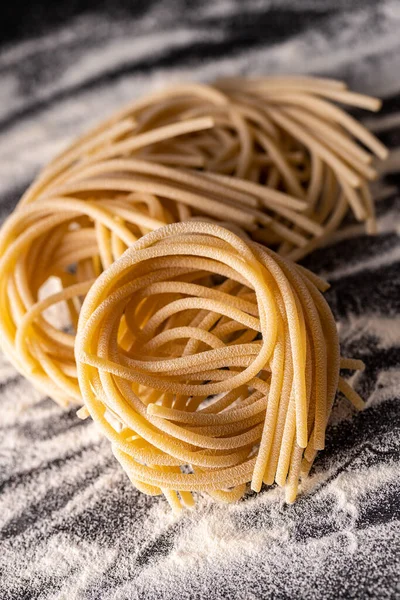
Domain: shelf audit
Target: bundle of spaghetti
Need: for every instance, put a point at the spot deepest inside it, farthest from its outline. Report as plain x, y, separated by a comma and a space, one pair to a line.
209, 362
273, 157
51, 252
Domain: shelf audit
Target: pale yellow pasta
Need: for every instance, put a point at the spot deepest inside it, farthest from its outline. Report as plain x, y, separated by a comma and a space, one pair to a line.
271, 158
209, 362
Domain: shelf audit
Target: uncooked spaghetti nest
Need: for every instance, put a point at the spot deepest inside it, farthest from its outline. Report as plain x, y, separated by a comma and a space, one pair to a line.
273, 157
209, 362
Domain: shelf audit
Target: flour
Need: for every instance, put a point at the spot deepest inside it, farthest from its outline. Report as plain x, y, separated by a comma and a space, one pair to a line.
72, 527
371, 264
82, 531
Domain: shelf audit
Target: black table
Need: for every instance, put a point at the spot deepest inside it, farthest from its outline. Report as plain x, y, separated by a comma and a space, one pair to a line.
71, 524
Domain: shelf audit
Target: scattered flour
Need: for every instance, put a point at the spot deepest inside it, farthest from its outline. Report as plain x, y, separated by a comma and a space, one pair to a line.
71, 525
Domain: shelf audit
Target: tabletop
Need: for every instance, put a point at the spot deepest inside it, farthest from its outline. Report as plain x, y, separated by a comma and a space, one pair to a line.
71, 524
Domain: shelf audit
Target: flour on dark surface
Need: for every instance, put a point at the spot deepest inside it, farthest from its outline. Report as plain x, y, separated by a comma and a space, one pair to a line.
71, 525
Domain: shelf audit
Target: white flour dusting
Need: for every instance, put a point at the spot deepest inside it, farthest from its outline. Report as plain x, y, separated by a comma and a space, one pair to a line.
72, 527
83, 531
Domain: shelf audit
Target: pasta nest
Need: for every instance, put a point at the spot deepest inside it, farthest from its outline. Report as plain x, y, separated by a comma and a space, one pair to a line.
209, 362
273, 157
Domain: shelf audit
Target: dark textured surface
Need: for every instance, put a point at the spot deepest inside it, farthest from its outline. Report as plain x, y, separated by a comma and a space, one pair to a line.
71, 526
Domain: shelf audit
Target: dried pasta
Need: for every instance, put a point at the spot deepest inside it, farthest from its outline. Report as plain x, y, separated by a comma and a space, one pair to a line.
209, 362
273, 157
